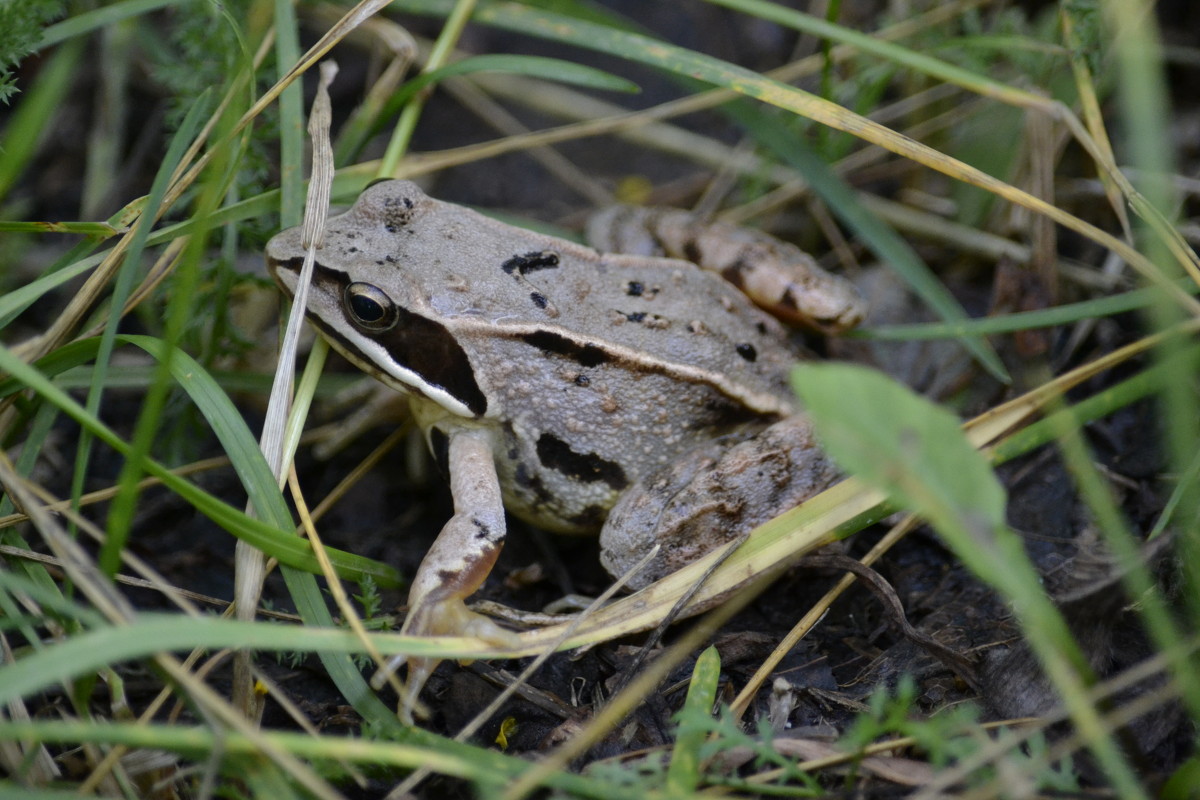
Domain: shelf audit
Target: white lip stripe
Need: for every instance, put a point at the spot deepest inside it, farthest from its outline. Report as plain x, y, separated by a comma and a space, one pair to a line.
375, 357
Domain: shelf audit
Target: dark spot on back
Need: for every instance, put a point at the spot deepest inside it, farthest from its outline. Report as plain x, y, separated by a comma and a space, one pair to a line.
538, 299
587, 355
747, 351
556, 454
530, 262
634, 288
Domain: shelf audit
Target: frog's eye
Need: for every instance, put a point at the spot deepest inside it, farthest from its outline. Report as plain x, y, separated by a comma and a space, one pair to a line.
369, 307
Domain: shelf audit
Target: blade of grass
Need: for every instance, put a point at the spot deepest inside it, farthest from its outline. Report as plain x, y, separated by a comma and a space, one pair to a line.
122, 288
1022, 320
97, 18
291, 116
101, 230
875, 234
456, 18
914, 451
550, 69
30, 121
65, 269
683, 773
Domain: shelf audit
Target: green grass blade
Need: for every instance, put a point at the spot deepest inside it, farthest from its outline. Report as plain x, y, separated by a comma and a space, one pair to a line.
1023, 320
683, 774
278, 541
122, 288
550, 69
291, 116
883, 241
98, 18
64, 270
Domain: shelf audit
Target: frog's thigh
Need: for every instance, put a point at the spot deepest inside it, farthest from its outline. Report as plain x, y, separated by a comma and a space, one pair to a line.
711, 496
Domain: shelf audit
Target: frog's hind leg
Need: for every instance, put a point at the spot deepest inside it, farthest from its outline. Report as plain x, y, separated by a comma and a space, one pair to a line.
712, 495
458, 562
778, 276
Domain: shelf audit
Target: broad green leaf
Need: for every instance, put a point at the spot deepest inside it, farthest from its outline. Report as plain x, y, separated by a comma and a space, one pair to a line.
900, 442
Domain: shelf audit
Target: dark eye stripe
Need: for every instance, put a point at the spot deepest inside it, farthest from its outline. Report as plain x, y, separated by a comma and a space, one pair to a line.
420, 345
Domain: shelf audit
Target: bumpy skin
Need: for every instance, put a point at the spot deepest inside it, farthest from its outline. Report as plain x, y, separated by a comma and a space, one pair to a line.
552, 380
715, 493
588, 371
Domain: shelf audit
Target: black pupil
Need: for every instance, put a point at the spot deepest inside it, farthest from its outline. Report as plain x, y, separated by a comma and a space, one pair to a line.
365, 308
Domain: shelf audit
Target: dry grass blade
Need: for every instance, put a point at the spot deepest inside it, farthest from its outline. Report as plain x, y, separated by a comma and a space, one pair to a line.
251, 563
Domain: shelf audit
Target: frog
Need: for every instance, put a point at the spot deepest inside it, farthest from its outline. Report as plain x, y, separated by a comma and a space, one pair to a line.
638, 396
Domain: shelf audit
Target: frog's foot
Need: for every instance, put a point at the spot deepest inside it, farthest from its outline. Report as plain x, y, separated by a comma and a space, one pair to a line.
441, 616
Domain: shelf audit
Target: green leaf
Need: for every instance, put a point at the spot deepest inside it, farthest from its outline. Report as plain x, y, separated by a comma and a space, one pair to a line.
551, 69
900, 442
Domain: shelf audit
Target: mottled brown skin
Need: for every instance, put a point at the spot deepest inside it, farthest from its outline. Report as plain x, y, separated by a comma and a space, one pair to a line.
549, 378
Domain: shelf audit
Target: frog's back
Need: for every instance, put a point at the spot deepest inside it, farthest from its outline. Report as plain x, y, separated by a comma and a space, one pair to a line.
591, 369
497, 288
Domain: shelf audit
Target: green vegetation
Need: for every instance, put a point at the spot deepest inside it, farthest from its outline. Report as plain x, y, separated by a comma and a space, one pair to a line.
1020, 174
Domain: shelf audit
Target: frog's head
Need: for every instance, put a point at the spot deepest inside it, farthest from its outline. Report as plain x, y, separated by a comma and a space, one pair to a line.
369, 305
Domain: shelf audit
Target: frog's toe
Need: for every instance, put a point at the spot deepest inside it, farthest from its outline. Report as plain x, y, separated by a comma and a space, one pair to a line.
448, 616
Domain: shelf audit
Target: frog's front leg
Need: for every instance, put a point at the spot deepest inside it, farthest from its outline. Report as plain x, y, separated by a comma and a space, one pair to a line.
459, 560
